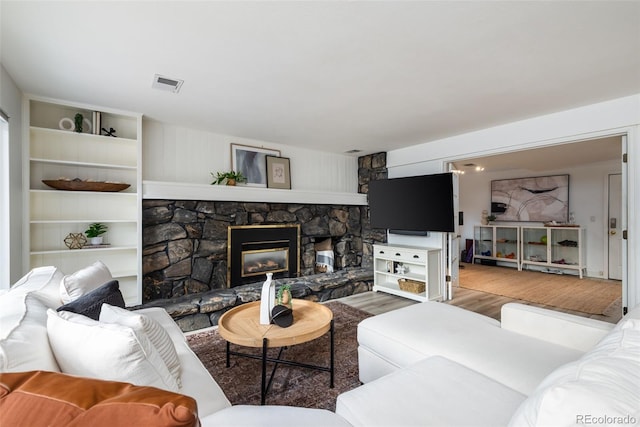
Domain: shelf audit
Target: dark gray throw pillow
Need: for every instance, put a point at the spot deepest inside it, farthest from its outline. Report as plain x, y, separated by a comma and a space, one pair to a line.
90, 304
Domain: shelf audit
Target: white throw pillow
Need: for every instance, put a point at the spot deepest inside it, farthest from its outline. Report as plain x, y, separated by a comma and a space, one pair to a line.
105, 351
605, 382
24, 345
152, 329
45, 282
83, 281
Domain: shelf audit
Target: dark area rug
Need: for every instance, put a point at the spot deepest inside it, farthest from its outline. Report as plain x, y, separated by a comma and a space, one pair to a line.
291, 386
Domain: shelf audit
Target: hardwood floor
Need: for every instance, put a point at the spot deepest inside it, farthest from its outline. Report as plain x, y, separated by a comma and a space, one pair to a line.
480, 302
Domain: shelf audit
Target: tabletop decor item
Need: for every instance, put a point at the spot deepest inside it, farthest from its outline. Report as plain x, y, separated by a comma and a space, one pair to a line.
284, 296
267, 300
282, 316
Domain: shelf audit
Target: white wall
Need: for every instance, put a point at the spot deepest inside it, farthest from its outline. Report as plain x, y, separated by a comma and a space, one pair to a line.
615, 117
11, 103
177, 154
587, 199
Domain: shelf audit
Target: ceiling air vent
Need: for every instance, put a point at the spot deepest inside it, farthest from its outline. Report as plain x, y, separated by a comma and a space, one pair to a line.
166, 83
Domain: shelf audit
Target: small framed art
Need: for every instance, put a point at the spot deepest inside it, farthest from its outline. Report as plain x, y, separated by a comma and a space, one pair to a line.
278, 172
251, 162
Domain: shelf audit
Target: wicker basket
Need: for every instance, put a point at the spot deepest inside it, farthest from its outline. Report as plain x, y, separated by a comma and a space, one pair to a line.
412, 286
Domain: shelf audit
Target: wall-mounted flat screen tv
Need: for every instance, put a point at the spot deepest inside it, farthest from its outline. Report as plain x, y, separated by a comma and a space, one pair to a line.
416, 203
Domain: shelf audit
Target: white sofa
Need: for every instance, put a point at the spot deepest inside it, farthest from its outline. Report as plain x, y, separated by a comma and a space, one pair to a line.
432, 364
30, 339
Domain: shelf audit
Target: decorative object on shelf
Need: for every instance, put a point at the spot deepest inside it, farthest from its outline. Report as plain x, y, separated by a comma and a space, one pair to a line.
97, 122
412, 286
267, 300
491, 218
400, 269
284, 296
98, 246
278, 172
95, 232
78, 122
110, 132
67, 124
251, 162
77, 184
228, 178
75, 240
282, 316
324, 256
484, 220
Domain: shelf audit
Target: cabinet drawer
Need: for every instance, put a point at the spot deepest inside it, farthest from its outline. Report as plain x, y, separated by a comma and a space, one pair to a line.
401, 255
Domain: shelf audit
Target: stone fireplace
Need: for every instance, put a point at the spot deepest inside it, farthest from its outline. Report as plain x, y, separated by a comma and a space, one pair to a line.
185, 247
254, 250
185, 239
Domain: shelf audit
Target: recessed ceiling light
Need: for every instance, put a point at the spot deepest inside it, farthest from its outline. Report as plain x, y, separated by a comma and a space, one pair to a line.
166, 83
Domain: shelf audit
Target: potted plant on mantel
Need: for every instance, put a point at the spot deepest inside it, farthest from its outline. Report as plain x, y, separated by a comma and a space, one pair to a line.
95, 232
228, 178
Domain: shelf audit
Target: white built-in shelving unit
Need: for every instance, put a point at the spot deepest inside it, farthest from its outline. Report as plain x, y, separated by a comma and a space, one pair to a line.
54, 153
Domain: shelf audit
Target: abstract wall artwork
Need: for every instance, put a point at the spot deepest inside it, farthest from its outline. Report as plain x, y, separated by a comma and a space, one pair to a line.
251, 161
539, 199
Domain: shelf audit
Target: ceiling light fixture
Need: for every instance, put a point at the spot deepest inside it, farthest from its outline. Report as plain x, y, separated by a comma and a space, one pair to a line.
166, 83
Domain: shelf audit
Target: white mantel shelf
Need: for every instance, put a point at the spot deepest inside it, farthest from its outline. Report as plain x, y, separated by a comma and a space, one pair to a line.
190, 191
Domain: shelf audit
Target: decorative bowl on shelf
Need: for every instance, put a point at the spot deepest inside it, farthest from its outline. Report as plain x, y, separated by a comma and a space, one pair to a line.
79, 185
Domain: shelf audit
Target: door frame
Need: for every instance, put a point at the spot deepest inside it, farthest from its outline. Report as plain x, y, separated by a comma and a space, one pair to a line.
606, 244
624, 135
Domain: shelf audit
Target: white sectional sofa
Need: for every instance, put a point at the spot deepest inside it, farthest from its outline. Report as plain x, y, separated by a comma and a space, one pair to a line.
429, 364
432, 364
33, 336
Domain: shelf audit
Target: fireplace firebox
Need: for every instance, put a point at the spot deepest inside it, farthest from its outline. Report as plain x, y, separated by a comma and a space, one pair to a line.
254, 250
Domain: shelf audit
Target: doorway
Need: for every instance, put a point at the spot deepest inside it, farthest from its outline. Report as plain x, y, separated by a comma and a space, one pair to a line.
589, 164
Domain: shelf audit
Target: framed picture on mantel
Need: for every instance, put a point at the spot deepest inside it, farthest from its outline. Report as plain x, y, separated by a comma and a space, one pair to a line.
251, 161
278, 172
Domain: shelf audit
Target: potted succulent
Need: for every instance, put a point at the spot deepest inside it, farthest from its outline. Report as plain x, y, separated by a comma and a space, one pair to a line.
228, 178
284, 297
95, 232
491, 218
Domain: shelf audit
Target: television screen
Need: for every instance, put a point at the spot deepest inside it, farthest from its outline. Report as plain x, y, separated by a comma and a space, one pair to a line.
417, 203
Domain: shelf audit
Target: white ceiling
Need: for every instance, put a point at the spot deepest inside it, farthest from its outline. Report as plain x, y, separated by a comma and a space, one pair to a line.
332, 76
553, 158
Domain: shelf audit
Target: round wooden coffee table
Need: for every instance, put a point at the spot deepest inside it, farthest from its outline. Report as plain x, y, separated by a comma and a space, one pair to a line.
241, 326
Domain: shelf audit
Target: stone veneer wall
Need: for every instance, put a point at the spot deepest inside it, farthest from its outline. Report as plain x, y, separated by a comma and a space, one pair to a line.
185, 249
185, 241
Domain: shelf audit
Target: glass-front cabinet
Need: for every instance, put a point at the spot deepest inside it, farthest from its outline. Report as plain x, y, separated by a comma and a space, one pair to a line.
497, 243
555, 248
